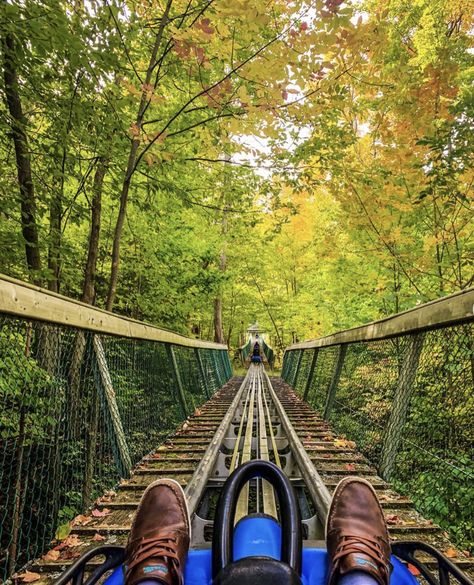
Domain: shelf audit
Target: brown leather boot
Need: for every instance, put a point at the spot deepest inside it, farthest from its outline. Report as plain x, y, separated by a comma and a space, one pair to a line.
356, 534
159, 538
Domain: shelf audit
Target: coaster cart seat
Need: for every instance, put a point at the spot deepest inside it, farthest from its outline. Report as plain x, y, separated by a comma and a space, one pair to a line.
260, 551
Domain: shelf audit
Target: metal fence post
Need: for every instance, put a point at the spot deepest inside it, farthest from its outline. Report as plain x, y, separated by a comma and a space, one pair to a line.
201, 371
401, 401
298, 366
106, 390
177, 379
220, 365
227, 364
216, 370
284, 365
309, 379
334, 381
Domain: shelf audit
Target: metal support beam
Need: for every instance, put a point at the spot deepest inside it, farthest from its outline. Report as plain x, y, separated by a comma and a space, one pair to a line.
177, 379
334, 381
298, 365
109, 399
201, 371
216, 370
309, 379
401, 402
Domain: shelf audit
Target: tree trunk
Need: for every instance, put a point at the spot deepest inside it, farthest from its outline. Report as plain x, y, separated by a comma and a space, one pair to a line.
88, 296
54, 249
218, 326
218, 329
132, 159
23, 160
88, 289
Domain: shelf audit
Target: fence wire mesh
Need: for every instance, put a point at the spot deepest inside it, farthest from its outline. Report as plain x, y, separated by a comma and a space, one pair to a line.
76, 412
408, 403
269, 353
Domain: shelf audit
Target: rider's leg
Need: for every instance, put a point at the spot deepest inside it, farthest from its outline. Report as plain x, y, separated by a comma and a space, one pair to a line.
357, 536
159, 538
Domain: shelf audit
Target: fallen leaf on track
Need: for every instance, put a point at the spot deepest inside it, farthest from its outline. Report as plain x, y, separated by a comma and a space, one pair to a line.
71, 540
70, 554
98, 537
451, 553
29, 577
52, 555
63, 531
81, 520
100, 513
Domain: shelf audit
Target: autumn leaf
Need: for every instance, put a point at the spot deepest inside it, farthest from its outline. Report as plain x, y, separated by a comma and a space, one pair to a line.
63, 531
69, 554
451, 553
29, 577
204, 26
134, 130
344, 444
81, 520
52, 555
100, 513
392, 519
98, 537
350, 466
70, 541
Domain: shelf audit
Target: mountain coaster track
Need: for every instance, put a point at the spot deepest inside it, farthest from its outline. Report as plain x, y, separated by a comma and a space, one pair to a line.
255, 417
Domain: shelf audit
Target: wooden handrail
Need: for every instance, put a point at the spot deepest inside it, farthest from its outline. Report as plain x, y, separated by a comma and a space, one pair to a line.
27, 301
450, 310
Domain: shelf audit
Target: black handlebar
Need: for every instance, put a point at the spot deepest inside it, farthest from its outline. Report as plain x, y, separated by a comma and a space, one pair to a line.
291, 540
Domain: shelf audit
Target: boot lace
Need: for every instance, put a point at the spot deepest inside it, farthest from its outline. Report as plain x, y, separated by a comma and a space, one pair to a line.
370, 547
156, 547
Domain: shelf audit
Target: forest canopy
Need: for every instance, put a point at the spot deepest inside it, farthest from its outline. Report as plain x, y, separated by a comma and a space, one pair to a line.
203, 164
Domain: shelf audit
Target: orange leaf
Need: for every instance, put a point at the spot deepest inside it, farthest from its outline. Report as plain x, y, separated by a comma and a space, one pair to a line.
81, 520
52, 555
451, 553
29, 577
71, 540
98, 537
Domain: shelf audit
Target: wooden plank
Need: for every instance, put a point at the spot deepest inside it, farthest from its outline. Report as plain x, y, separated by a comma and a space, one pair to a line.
32, 302
449, 310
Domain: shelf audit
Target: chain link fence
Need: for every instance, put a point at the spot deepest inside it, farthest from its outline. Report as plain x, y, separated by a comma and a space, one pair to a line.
77, 411
269, 353
407, 401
